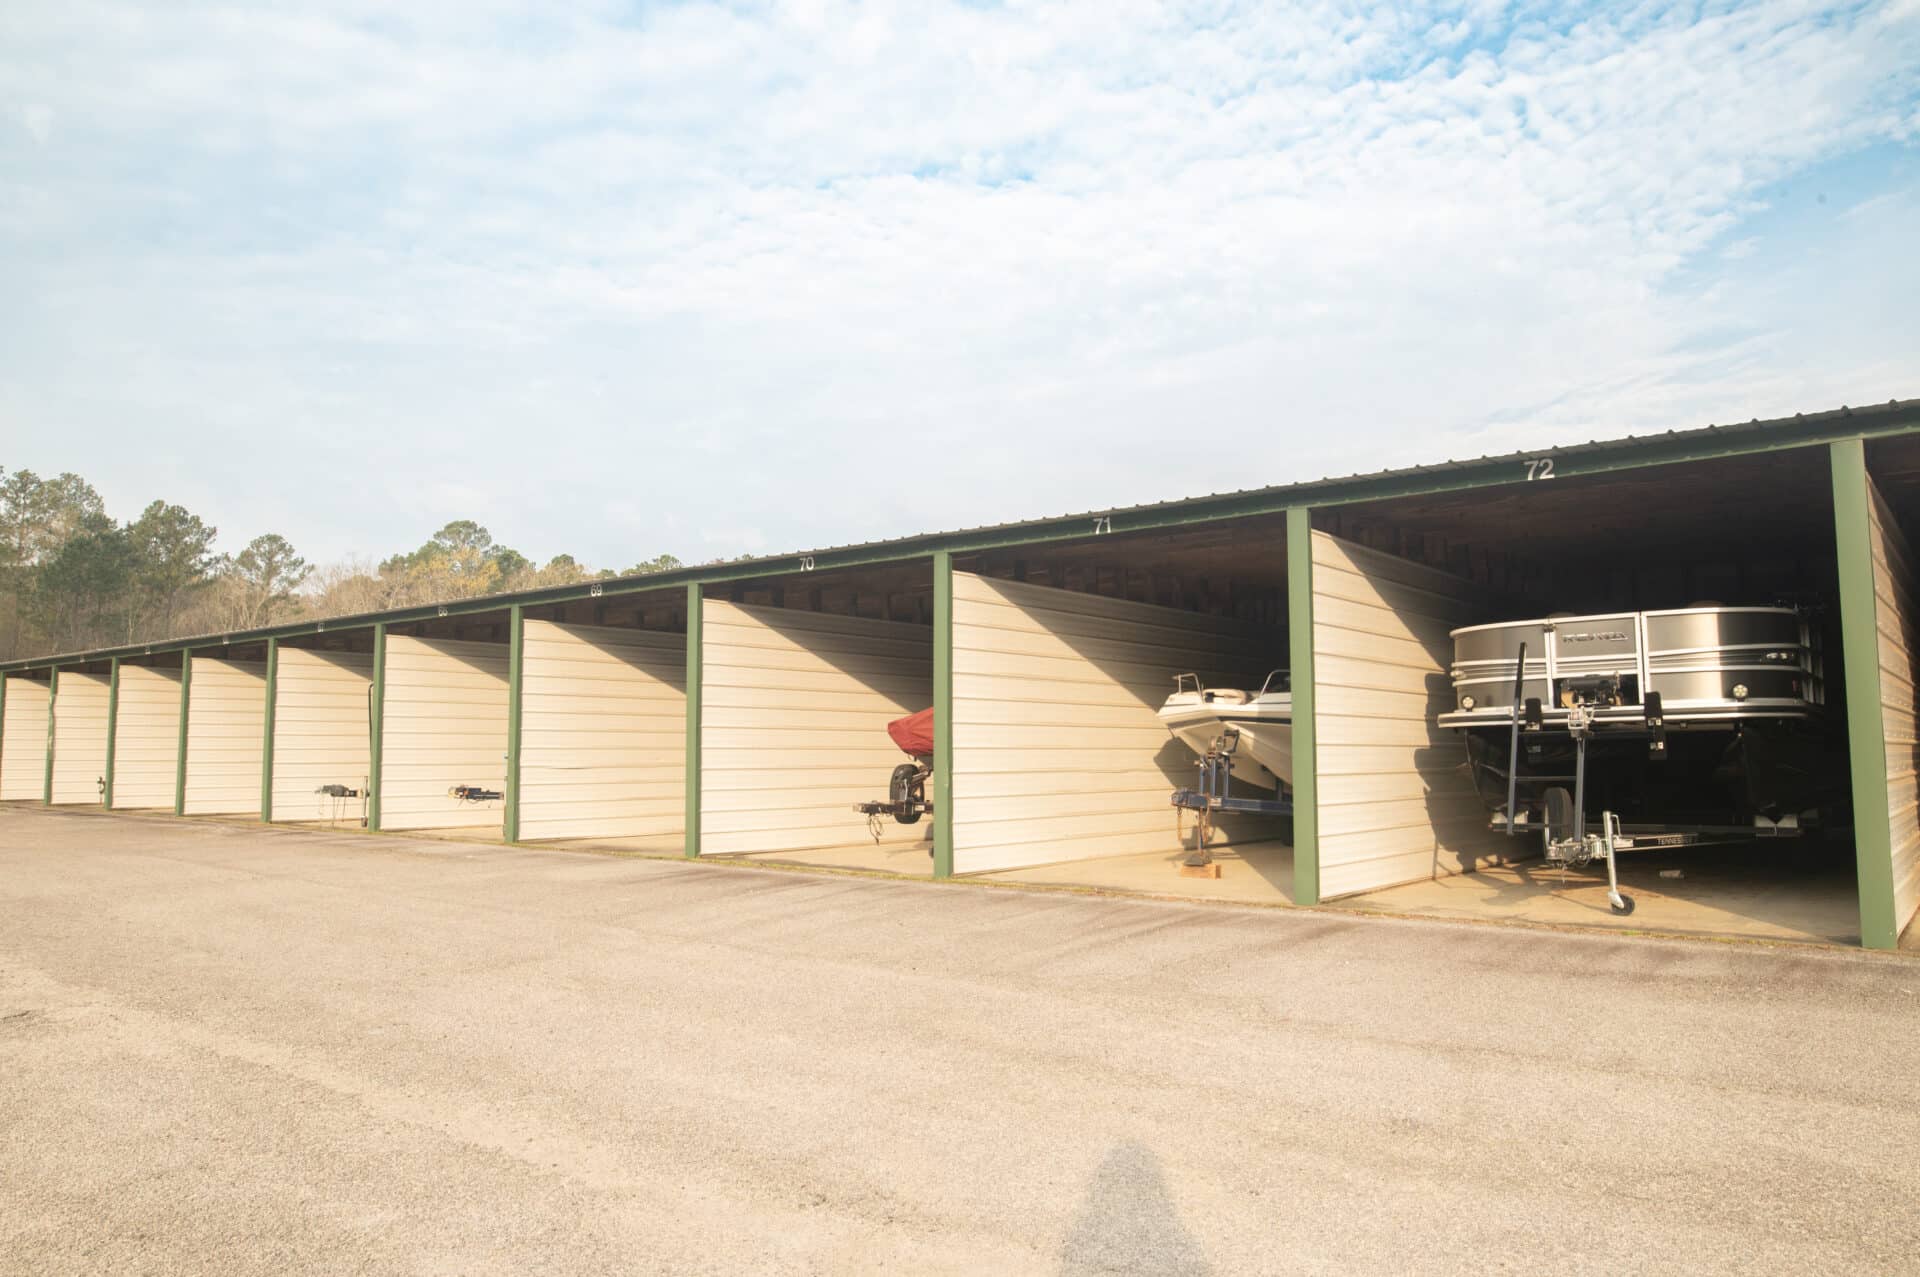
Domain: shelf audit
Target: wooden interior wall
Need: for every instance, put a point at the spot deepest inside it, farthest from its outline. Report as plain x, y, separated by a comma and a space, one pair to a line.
793, 718
1897, 616
444, 723
23, 741
146, 738
1395, 801
603, 722
1058, 751
226, 722
80, 737
322, 732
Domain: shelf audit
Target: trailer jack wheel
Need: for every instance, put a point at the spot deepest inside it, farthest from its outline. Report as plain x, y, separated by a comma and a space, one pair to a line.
1622, 905
1202, 835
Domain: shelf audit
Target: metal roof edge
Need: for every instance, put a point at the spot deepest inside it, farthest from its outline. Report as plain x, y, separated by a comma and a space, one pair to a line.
1593, 457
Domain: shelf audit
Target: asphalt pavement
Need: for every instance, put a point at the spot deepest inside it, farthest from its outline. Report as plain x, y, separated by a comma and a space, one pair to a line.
226, 1049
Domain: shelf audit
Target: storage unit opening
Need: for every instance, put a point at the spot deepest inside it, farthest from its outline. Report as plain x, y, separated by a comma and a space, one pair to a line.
603, 723
146, 733
24, 719
800, 677
1893, 492
323, 729
81, 701
443, 726
226, 730
1682, 703
1092, 677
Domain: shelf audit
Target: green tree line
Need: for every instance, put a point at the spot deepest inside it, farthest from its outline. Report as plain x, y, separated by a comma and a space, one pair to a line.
72, 577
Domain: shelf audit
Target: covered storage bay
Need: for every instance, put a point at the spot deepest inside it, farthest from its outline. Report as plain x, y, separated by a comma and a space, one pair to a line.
444, 712
146, 735
23, 738
798, 681
322, 730
1062, 657
1890, 478
603, 724
80, 703
226, 732
1401, 822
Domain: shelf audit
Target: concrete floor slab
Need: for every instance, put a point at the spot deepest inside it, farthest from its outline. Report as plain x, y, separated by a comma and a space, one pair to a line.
1759, 891
907, 860
1252, 873
654, 845
463, 833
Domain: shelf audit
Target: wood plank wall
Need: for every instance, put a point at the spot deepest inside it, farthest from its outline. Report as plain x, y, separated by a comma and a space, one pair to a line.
603, 722
793, 725
444, 724
80, 737
321, 732
226, 721
23, 741
1395, 801
1058, 752
146, 738
1897, 616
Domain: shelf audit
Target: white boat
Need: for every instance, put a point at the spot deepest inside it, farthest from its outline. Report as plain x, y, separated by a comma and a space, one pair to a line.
1200, 717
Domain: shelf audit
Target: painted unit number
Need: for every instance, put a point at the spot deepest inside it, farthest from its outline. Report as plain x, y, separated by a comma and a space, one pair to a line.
594, 591
1102, 525
806, 563
1540, 468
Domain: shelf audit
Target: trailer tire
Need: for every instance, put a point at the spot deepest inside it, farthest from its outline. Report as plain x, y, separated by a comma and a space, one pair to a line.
900, 791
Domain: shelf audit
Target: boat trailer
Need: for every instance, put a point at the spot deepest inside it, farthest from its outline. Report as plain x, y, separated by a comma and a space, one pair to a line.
1565, 839
906, 801
1212, 795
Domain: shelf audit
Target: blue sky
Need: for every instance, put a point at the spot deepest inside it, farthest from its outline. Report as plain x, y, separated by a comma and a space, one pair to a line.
627, 279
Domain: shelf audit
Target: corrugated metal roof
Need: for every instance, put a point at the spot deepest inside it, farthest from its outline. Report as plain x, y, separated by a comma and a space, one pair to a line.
1619, 453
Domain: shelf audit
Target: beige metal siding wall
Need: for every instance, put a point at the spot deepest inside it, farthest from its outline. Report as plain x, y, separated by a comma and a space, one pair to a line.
445, 724
793, 725
1898, 618
320, 731
146, 738
226, 720
80, 737
23, 742
1058, 752
1395, 801
603, 732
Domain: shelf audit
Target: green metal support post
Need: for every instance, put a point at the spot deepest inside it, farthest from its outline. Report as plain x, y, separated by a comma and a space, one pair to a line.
376, 716
113, 730
516, 663
942, 714
180, 754
1306, 813
53, 692
1860, 657
266, 732
694, 624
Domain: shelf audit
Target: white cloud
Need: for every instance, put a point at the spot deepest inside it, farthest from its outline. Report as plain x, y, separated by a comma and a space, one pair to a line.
38, 119
811, 273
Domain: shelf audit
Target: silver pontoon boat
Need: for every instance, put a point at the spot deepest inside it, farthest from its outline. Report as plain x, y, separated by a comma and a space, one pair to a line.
1656, 729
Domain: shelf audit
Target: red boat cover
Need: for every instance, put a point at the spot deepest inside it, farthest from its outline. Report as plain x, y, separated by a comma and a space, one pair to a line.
914, 733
